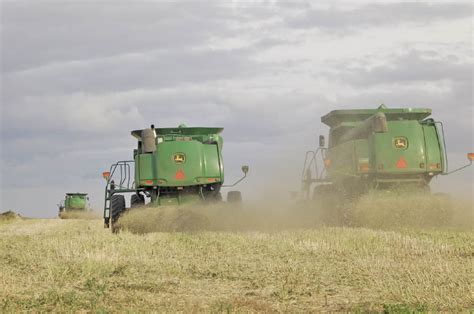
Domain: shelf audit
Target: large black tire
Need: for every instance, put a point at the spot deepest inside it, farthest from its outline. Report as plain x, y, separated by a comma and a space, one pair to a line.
137, 200
117, 208
234, 197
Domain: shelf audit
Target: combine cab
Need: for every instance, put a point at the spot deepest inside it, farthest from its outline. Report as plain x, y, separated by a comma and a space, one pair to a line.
375, 149
73, 202
170, 166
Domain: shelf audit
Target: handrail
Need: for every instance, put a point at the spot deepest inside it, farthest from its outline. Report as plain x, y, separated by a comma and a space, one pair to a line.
443, 147
311, 166
125, 174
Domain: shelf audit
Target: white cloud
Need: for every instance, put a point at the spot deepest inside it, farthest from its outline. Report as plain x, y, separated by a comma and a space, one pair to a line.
78, 77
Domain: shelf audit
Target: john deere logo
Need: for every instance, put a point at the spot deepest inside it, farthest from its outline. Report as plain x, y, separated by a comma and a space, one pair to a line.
179, 158
401, 143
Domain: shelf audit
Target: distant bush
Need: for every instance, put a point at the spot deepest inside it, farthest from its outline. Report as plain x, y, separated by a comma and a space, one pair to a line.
9, 216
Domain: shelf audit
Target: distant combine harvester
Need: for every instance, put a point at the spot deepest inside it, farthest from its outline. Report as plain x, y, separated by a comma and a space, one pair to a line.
375, 149
73, 202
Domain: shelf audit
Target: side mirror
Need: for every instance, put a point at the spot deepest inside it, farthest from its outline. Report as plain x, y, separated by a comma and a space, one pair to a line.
322, 141
470, 157
245, 169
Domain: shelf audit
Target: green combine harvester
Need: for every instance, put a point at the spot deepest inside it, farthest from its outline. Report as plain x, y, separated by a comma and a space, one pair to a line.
375, 149
73, 202
170, 166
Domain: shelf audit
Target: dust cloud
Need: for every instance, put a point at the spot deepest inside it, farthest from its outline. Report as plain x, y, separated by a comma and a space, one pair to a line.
376, 210
79, 214
212, 217
274, 209
401, 209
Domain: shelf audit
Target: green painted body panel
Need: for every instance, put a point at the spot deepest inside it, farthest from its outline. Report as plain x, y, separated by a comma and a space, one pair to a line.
406, 148
144, 165
361, 150
387, 155
202, 163
433, 147
75, 201
346, 157
342, 161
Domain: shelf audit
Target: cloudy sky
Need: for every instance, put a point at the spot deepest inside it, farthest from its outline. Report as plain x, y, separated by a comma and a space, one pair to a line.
76, 77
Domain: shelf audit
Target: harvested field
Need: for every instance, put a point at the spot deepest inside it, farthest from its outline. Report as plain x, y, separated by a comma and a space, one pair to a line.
76, 265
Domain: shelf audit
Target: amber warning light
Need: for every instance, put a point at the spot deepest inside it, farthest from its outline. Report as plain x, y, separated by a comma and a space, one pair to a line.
470, 156
327, 162
106, 175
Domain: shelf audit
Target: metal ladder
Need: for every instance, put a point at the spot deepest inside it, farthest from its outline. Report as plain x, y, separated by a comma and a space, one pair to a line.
121, 171
314, 170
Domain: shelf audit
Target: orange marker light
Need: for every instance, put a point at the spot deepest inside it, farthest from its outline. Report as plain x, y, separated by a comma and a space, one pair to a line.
401, 163
470, 156
180, 175
364, 167
106, 175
